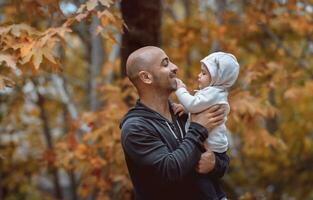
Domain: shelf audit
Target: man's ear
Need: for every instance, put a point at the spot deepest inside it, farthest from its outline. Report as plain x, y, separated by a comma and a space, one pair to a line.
145, 77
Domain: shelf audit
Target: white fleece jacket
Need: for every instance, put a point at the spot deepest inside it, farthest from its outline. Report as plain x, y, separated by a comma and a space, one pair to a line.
202, 100
224, 70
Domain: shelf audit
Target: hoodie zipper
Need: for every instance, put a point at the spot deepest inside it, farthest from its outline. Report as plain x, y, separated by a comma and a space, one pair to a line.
167, 123
173, 133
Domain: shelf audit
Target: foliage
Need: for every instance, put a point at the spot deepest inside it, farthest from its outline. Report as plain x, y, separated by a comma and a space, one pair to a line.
271, 102
49, 131
39, 128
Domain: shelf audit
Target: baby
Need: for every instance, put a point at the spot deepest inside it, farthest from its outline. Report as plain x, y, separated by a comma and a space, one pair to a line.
219, 72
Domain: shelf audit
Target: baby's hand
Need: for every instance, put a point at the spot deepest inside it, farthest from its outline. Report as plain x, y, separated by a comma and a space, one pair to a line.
180, 83
178, 109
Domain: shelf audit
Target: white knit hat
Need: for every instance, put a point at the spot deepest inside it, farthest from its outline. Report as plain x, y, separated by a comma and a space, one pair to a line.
223, 67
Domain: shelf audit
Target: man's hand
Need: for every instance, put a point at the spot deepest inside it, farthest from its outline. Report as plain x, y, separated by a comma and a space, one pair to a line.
211, 117
206, 162
180, 83
178, 109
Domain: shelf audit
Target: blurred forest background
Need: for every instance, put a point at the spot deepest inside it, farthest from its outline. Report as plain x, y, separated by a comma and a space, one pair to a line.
63, 91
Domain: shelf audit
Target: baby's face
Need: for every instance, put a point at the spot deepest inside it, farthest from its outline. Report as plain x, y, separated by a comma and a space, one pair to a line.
204, 78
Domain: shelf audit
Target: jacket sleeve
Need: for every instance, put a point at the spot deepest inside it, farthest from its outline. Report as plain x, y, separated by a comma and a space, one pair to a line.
221, 165
201, 100
148, 150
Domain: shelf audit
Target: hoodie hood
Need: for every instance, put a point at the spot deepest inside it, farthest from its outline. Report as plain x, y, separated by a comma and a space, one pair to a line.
140, 110
223, 68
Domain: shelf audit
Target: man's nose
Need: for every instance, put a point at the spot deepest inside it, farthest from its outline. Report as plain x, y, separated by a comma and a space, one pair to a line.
174, 68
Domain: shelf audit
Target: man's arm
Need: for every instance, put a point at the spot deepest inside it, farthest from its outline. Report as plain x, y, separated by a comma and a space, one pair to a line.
147, 149
221, 165
213, 165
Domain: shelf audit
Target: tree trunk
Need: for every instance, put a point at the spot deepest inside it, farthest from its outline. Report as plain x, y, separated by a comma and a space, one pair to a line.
143, 19
272, 123
2, 189
96, 58
220, 8
47, 135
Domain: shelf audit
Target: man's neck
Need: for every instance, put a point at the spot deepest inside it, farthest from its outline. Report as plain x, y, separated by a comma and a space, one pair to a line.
158, 103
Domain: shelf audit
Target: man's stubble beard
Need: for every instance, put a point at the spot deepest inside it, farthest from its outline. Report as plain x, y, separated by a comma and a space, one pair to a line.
169, 85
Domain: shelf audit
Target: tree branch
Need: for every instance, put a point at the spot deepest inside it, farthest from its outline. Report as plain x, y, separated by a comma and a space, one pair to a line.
276, 39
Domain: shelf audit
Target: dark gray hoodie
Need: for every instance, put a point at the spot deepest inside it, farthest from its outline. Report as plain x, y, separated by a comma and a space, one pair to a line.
160, 155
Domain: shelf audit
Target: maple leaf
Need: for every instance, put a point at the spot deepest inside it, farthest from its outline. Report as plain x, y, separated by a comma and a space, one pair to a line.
81, 8
81, 16
48, 54
37, 59
9, 60
106, 13
16, 29
4, 30
6, 82
293, 93
81, 151
106, 3
91, 4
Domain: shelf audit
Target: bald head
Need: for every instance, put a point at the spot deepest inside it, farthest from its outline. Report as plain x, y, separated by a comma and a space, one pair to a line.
141, 60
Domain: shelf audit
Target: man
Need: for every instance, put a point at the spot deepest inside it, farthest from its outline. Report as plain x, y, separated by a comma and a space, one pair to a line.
161, 157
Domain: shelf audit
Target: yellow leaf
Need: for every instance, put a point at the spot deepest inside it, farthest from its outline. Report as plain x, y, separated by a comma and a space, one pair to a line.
48, 54
104, 21
81, 8
17, 29
9, 60
26, 58
106, 2
6, 82
4, 30
91, 4
108, 14
37, 59
81, 16
81, 151
26, 48
293, 93
2, 83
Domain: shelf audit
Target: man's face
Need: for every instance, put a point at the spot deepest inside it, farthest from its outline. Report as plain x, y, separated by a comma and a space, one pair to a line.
164, 72
204, 77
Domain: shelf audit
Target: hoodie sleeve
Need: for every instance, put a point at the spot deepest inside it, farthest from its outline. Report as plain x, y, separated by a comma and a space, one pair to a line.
221, 165
148, 150
202, 99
